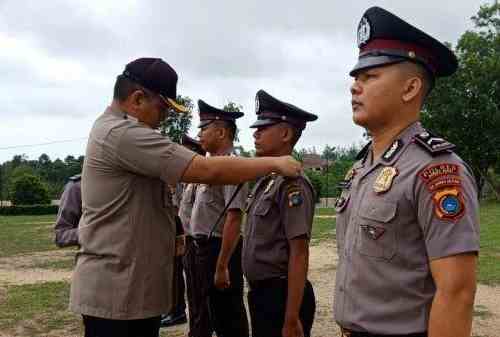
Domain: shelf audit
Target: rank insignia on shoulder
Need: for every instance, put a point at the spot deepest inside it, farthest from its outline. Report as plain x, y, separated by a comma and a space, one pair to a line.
393, 150
295, 199
449, 204
76, 178
433, 145
341, 203
383, 183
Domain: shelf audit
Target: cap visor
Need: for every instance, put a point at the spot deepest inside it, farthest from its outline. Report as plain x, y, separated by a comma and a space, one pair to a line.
264, 122
367, 62
173, 104
205, 123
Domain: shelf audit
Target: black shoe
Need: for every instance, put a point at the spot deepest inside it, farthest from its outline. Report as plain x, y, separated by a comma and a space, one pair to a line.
173, 319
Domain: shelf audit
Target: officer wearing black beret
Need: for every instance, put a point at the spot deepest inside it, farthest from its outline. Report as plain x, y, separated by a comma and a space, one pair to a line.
407, 219
280, 214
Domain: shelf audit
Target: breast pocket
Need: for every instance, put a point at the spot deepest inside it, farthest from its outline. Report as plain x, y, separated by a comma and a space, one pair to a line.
376, 234
262, 213
206, 195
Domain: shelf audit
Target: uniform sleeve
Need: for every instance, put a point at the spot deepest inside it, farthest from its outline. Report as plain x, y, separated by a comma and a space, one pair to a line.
146, 152
448, 207
68, 216
296, 202
239, 200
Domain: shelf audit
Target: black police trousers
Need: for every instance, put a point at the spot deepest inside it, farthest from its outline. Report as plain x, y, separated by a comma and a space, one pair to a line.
267, 305
101, 327
210, 309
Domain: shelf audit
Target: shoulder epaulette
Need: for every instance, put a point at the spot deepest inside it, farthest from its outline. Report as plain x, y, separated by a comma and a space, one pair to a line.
75, 178
362, 154
433, 144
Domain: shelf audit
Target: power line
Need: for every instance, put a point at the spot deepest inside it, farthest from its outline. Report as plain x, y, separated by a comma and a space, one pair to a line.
42, 144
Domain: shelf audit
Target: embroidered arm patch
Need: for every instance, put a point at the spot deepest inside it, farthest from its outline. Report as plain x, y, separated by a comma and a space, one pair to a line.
445, 184
295, 197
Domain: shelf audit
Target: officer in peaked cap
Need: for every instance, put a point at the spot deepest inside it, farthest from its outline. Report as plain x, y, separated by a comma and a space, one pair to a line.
213, 250
407, 218
280, 213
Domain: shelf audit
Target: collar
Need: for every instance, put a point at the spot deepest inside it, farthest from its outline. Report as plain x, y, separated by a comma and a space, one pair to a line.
121, 114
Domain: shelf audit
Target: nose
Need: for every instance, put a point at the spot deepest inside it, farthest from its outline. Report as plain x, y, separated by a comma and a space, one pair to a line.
355, 88
199, 134
256, 134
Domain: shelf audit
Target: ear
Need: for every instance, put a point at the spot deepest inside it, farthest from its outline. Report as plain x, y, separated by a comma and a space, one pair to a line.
287, 134
411, 89
137, 98
221, 132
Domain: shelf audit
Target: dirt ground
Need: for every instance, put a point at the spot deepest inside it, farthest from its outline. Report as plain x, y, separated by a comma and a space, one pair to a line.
322, 275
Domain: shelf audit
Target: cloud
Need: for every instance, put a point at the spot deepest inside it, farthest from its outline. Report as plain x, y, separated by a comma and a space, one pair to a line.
60, 58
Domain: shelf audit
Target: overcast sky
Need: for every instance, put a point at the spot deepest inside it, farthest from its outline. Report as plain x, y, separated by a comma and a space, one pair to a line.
59, 59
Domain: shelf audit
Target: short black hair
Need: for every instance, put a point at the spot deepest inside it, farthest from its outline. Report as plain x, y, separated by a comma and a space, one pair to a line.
124, 87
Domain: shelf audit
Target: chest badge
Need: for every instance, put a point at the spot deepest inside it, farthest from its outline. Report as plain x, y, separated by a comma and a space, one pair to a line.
383, 183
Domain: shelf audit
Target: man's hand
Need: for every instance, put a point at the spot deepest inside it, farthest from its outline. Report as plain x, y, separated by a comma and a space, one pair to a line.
288, 166
292, 328
221, 278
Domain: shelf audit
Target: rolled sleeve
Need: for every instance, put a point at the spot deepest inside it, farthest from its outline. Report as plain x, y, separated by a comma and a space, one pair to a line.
449, 235
146, 152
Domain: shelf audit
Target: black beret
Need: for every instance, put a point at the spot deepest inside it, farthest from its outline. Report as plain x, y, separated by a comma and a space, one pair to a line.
271, 111
208, 114
384, 38
156, 75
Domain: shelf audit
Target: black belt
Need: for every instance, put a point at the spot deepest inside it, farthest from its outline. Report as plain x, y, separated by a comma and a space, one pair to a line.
267, 283
202, 239
350, 333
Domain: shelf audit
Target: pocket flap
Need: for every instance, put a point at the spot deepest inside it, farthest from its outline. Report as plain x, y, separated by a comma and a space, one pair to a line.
378, 210
263, 207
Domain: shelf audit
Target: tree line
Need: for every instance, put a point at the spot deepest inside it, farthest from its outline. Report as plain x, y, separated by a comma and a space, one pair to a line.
464, 109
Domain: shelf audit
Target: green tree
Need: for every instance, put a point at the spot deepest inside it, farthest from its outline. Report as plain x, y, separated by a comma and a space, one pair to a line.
465, 108
177, 124
233, 107
28, 189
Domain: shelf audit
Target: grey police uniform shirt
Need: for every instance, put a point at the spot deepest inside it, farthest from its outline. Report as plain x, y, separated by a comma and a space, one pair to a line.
124, 269
279, 209
209, 203
394, 216
186, 206
68, 216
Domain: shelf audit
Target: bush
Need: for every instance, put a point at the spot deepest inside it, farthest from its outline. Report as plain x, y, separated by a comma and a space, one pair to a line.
28, 189
29, 210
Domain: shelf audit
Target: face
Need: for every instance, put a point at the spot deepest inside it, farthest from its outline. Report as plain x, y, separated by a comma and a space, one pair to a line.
268, 140
208, 136
376, 96
153, 109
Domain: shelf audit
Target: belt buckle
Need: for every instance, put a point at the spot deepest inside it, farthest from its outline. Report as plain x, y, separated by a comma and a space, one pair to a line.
345, 332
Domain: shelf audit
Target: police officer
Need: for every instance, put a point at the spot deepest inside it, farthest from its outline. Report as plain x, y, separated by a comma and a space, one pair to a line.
182, 200
280, 214
68, 216
407, 219
214, 275
124, 270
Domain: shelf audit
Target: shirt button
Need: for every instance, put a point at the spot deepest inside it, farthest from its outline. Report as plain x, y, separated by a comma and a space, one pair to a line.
341, 289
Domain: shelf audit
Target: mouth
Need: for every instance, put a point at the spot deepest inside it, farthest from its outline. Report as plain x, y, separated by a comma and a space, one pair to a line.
355, 104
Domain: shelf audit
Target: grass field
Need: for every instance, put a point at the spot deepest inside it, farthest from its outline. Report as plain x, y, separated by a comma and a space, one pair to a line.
40, 309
